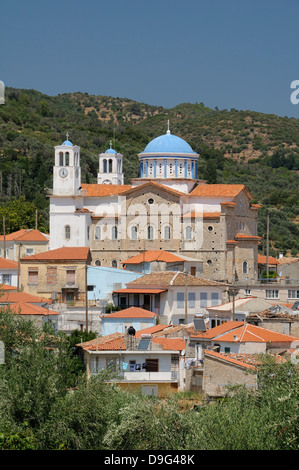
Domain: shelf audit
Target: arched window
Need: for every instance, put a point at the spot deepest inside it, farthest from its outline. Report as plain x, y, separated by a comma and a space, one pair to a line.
67, 232
134, 232
104, 166
114, 263
97, 233
60, 158
188, 232
150, 232
67, 158
97, 262
245, 267
167, 232
110, 166
114, 233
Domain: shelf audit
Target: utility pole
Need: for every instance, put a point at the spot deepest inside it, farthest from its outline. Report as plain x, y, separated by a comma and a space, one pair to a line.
186, 298
4, 239
267, 261
19, 266
86, 300
36, 219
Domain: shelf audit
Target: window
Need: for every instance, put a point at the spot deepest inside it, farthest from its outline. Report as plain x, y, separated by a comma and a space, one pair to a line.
152, 365
180, 297
203, 299
114, 232
214, 299
150, 201
293, 294
150, 232
6, 279
247, 291
134, 232
70, 276
272, 294
167, 232
114, 263
245, 265
227, 350
191, 299
60, 159
97, 262
33, 276
67, 232
29, 251
188, 232
51, 275
210, 228
90, 288
104, 166
97, 233
88, 232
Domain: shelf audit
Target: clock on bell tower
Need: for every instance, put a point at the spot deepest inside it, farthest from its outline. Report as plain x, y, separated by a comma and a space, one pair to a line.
67, 171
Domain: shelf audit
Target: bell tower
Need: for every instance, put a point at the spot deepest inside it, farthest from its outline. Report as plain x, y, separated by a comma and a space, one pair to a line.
67, 171
110, 167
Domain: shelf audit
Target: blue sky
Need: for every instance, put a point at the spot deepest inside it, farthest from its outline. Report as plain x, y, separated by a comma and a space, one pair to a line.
226, 53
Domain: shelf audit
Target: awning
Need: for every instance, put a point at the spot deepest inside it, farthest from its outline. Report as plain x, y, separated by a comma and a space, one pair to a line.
139, 291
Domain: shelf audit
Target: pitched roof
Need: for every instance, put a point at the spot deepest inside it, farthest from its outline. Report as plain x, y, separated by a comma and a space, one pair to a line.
151, 255
242, 362
59, 254
25, 308
157, 186
131, 312
8, 264
104, 190
9, 296
26, 235
171, 278
151, 330
243, 236
171, 344
219, 190
263, 260
218, 330
251, 333
287, 260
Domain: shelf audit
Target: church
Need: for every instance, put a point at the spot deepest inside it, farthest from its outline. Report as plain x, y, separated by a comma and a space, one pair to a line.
167, 208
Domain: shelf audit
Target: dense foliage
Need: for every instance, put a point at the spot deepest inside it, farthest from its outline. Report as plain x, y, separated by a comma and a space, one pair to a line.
247, 147
47, 403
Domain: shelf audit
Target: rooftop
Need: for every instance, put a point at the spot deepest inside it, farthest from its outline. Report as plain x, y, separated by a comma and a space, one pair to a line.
59, 254
131, 312
171, 278
26, 235
151, 255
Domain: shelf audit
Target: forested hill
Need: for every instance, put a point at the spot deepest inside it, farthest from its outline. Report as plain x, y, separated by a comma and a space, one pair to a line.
259, 150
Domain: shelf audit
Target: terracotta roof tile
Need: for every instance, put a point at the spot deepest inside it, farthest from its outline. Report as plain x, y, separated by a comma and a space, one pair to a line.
255, 334
243, 236
131, 312
63, 253
25, 235
218, 190
171, 278
172, 344
24, 308
103, 190
8, 264
151, 330
152, 255
227, 358
263, 260
8, 296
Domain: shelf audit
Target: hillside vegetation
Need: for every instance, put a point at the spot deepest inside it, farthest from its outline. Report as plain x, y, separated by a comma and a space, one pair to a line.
259, 150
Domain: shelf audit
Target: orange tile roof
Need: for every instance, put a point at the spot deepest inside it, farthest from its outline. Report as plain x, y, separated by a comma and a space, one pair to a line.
7, 287
25, 235
219, 190
251, 333
171, 278
218, 330
24, 308
263, 259
171, 344
59, 254
16, 297
151, 255
227, 203
103, 190
131, 312
157, 186
8, 264
204, 215
151, 330
227, 358
139, 290
242, 236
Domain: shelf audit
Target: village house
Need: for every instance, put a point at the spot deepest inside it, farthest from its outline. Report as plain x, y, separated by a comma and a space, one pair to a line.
121, 321
24, 242
164, 293
8, 272
279, 318
146, 363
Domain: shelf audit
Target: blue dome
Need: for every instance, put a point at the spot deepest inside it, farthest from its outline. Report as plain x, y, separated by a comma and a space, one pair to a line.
111, 151
168, 143
68, 143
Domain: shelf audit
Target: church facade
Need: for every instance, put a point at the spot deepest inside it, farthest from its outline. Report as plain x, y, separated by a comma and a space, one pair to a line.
166, 208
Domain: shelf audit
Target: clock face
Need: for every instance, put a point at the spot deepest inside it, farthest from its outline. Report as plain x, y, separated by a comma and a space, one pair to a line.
63, 172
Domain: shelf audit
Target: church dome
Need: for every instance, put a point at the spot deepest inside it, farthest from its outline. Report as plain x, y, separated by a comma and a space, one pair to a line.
68, 143
111, 151
168, 143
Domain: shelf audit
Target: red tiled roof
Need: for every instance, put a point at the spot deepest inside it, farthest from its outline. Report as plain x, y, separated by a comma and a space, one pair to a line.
165, 279
219, 190
103, 190
63, 253
131, 312
152, 255
263, 259
16, 297
218, 330
172, 344
24, 308
242, 236
151, 330
138, 290
8, 264
25, 235
204, 215
255, 334
227, 358
7, 287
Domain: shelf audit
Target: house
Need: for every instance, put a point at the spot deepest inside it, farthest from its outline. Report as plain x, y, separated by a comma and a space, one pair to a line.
152, 261
146, 363
33, 308
262, 264
242, 337
279, 318
121, 321
8, 272
24, 242
164, 293
103, 280
235, 310
59, 274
